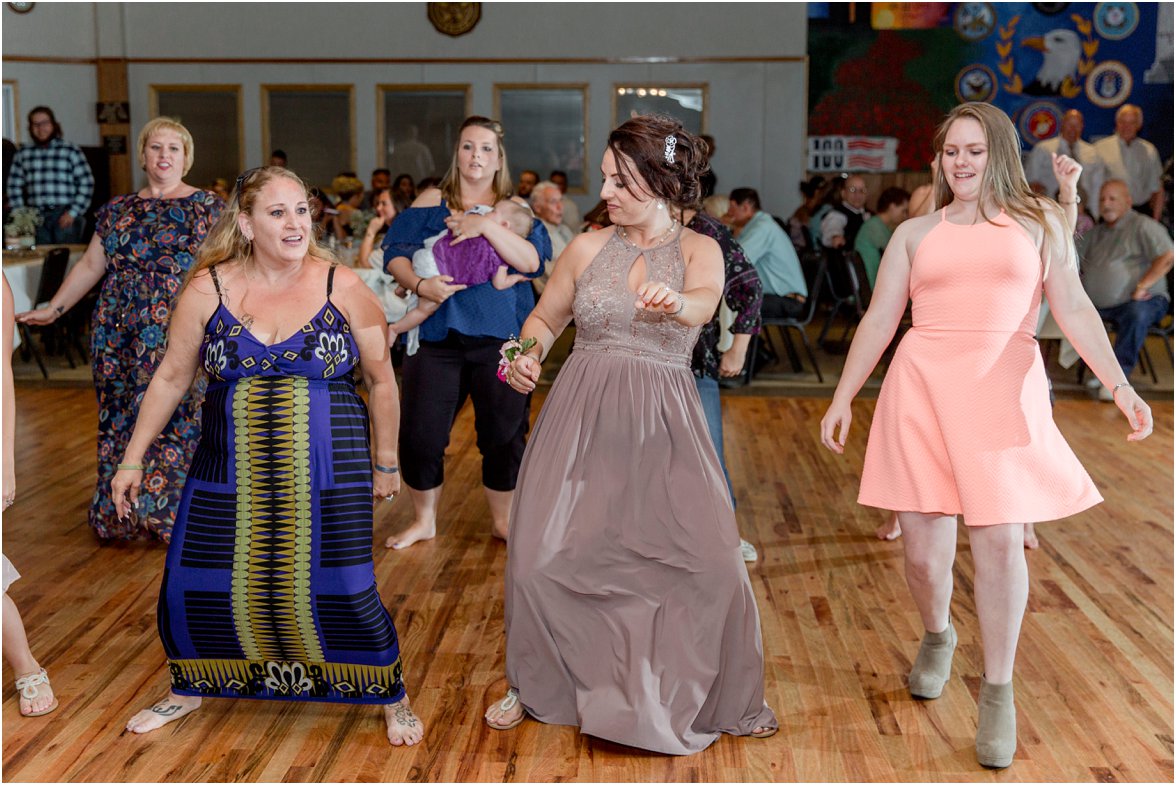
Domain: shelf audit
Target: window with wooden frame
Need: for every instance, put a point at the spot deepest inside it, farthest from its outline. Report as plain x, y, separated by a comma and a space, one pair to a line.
314, 124
418, 126
546, 127
684, 102
212, 113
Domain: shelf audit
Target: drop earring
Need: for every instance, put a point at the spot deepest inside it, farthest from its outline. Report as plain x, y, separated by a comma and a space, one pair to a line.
661, 205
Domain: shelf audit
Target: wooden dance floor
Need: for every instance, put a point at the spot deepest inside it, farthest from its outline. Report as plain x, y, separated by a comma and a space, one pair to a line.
1094, 677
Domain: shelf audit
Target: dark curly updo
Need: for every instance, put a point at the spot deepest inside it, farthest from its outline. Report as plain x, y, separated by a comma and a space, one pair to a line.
668, 158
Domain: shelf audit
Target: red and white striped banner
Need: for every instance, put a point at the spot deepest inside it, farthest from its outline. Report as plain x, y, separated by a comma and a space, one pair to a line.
852, 154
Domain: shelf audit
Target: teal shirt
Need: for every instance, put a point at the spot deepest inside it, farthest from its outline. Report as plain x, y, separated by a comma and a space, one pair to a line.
871, 243
772, 255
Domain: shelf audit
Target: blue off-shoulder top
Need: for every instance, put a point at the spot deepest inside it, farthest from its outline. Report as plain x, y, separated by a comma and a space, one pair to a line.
480, 311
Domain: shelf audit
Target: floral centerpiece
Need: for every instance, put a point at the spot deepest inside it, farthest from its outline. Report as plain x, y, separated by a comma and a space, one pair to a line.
21, 229
359, 220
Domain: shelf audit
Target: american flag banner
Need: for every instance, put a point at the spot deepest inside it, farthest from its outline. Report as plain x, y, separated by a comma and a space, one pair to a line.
853, 154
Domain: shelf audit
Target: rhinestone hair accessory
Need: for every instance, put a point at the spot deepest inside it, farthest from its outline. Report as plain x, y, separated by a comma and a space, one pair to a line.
671, 145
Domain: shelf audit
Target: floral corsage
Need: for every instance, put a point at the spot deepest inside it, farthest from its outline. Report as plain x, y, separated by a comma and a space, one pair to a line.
510, 350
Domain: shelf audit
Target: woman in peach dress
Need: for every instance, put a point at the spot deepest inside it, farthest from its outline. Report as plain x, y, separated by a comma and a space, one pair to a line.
963, 422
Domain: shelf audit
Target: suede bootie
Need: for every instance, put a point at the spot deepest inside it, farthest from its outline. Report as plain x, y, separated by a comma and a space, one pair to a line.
933, 663
996, 734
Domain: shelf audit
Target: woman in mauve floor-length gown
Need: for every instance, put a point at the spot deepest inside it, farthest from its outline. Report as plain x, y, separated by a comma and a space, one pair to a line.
629, 612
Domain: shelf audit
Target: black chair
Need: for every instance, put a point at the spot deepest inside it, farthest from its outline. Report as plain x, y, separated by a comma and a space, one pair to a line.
845, 291
1145, 361
861, 281
53, 271
814, 266
1164, 332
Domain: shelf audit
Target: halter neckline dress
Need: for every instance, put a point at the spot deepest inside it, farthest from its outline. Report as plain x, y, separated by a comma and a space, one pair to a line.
963, 423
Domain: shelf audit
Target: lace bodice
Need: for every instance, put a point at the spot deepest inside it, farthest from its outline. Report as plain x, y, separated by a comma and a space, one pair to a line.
606, 318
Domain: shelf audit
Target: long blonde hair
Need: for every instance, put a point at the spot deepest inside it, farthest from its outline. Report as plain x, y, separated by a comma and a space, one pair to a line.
226, 243
451, 184
1004, 180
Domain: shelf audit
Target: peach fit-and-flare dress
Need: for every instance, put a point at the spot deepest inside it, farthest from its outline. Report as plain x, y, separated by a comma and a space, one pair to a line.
963, 422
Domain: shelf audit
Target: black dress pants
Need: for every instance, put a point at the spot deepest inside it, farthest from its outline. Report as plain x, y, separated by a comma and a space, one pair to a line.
436, 382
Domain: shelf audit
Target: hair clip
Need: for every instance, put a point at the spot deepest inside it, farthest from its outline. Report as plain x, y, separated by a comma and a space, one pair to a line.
241, 178
671, 145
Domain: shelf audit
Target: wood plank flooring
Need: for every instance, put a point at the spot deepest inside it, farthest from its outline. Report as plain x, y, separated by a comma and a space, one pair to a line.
1094, 677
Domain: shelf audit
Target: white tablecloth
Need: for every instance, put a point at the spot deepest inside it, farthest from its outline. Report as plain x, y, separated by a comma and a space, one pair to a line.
24, 274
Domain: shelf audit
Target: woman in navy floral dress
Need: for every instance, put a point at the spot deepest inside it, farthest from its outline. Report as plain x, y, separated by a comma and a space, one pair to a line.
144, 244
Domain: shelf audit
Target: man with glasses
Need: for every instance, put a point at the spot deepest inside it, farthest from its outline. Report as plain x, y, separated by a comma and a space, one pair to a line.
840, 225
53, 176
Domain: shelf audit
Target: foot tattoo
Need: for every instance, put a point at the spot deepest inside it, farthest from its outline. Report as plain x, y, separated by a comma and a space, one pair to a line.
167, 710
404, 726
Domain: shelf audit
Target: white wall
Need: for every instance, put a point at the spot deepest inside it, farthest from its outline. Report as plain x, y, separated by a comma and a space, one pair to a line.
756, 109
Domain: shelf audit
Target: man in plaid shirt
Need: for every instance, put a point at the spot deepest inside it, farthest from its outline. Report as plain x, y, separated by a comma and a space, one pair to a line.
52, 175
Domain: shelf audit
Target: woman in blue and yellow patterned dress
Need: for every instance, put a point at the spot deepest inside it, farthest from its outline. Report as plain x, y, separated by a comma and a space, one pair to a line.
144, 244
269, 590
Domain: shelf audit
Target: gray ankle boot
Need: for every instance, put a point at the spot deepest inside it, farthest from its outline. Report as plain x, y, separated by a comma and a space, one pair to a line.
996, 734
933, 663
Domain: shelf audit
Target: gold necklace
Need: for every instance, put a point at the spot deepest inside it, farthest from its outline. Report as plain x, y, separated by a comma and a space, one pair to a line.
661, 239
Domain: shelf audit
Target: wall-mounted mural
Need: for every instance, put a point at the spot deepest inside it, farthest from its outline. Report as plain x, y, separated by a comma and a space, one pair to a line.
894, 69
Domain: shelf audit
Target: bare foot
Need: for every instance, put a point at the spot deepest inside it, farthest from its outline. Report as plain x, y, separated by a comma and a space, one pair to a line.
417, 532
36, 695
1031, 538
167, 710
500, 531
404, 727
891, 530
506, 713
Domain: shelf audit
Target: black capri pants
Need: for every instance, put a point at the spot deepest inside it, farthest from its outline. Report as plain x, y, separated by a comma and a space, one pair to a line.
435, 384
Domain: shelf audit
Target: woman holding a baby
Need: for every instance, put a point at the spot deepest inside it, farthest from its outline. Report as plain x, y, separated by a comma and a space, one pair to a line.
459, 342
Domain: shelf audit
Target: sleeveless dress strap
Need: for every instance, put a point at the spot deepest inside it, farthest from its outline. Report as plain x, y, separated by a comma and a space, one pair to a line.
220, 295
330, 281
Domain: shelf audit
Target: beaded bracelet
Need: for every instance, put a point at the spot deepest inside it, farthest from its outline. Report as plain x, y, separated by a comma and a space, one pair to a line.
130, 467
387, 469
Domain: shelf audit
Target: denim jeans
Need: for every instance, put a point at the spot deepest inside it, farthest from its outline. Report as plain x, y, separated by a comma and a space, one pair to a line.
50, 233
712, 408
1131, 320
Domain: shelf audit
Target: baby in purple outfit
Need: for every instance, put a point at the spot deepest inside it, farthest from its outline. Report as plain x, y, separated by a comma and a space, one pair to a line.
470, 262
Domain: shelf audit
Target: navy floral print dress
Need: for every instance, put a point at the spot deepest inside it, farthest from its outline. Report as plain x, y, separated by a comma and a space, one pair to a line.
149, 245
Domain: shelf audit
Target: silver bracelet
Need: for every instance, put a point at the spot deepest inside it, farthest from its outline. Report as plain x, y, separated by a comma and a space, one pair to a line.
681, 304
1115, 389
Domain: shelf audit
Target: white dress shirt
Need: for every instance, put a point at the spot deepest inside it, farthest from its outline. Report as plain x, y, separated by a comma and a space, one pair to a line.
1137, 164
1039, 169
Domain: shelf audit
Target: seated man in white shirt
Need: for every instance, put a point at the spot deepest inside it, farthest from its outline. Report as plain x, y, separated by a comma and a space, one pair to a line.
547, 203
840, 225
1039, 164
571, 213
1133, 160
